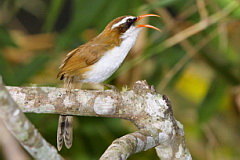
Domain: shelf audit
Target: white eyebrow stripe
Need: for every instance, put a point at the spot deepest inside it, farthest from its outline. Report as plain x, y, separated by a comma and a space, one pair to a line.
122, 21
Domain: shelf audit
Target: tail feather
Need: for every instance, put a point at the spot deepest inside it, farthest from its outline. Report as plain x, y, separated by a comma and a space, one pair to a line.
65, 131
68, 131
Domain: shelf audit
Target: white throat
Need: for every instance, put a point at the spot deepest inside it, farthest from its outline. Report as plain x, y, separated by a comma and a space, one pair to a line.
131, 33
111, 61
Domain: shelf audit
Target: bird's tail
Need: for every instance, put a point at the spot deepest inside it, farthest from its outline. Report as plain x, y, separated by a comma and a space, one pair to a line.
65, 131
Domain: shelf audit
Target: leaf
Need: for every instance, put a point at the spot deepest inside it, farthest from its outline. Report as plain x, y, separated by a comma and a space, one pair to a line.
84, 14
54, 11
25, 72
162, 3
213, 101
113, 10
224, 3
5, 70
5, 38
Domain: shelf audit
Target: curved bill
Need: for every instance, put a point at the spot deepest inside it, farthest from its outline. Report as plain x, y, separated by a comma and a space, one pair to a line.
146, 15
147, 25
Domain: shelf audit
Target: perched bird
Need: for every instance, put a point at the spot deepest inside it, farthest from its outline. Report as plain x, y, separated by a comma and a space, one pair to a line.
97, 60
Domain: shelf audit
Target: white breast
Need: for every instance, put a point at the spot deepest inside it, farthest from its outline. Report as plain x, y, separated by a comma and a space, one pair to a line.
111, 61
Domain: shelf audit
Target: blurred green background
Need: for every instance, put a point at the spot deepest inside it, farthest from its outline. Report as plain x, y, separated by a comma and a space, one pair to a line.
195, 61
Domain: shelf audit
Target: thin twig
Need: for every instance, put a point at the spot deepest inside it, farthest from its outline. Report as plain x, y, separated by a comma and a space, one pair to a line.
202, 9
181, 36
203, 24
192, 50
189, 48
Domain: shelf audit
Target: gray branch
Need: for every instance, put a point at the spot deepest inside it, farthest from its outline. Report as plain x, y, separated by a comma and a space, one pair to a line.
148, 110
23, 130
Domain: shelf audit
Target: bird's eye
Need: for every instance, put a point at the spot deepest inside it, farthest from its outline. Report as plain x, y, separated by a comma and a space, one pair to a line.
129, 20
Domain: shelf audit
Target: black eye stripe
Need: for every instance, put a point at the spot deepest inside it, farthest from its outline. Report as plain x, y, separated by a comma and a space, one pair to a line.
130, 20
124, 26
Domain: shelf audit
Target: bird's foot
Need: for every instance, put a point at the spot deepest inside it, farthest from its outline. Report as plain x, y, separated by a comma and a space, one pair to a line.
112, 87
100, 86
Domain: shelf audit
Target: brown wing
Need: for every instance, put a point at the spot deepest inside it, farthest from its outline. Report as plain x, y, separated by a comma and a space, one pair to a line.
82, 58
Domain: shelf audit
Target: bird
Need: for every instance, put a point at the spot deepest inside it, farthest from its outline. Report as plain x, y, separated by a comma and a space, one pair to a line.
96, 60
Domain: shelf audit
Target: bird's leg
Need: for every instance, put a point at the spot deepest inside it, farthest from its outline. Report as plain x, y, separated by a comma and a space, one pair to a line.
100, 86
112, 87
68, 84
93, 86
72, 86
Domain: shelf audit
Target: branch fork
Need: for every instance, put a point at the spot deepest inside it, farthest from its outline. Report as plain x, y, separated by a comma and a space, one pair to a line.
148, 110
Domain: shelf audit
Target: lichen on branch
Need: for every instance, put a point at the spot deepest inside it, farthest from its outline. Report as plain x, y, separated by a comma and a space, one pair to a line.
24, 131
143, 106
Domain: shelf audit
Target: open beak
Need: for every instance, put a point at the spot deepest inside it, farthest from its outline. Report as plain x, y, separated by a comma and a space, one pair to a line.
147, 25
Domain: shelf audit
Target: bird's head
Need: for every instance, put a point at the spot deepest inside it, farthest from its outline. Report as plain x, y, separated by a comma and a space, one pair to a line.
125, 25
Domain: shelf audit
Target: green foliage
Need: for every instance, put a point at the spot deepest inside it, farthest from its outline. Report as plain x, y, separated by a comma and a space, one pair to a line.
213, 101
22, 73
54, 10
5, 38
5, 69
222, 3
